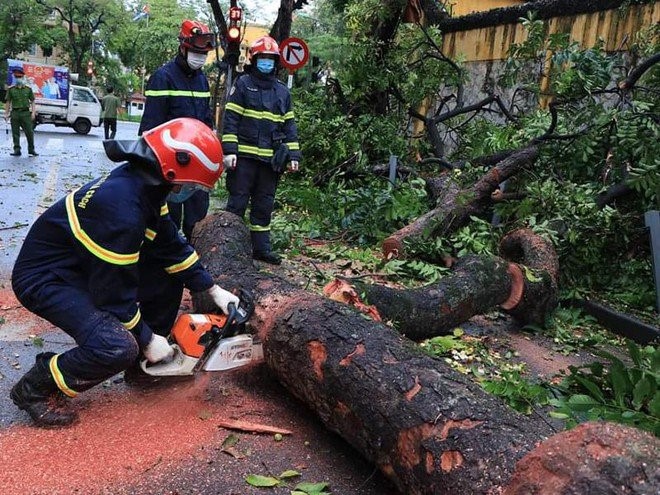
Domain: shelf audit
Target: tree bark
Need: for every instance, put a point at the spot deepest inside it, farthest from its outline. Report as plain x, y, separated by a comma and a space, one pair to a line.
593, 458
427, 427
455, 207
523, 284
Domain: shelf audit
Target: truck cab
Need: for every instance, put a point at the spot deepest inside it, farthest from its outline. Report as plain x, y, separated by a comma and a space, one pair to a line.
82, 112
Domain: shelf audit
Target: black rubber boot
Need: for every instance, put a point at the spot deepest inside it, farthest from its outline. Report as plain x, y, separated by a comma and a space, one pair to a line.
268, 257
38, 395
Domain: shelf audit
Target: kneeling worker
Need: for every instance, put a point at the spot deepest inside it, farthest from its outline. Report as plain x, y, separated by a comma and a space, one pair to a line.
106, 265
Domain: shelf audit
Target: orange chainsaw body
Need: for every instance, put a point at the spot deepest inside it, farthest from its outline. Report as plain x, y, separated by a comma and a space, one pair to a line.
189, 328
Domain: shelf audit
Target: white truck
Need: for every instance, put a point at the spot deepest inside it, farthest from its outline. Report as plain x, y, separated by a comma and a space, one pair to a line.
57, 101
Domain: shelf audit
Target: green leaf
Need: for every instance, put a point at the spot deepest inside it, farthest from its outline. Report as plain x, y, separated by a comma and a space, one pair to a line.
593, 389
261, 481
620, 383
311, 488
644, 390
558, 415
635, 353
654, 405
289, 473
579, 402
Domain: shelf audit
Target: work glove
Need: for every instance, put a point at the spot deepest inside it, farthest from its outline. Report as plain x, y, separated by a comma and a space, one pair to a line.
222, 298
294, 165
229, 161
158, 349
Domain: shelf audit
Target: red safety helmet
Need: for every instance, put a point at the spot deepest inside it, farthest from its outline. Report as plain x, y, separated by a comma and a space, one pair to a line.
188, 151
264, 46
196, 36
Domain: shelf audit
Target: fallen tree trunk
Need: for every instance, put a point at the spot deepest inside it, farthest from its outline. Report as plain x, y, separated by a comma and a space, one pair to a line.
427, 427
454, 206
526, 288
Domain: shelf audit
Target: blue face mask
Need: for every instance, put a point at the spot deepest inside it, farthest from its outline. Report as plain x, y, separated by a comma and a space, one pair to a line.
186, 191
265, 65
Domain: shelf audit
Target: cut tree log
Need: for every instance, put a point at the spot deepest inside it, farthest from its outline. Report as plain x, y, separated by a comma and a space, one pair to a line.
455, 207
426, 426
524, 284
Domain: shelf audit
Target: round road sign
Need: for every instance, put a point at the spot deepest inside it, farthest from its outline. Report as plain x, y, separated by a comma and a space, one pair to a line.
294, 53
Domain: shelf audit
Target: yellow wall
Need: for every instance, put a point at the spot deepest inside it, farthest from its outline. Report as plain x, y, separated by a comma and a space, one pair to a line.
617, 29
464, 7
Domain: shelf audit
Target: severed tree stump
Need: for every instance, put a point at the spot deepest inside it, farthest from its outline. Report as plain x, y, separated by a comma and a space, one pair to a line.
524, 284
454, 206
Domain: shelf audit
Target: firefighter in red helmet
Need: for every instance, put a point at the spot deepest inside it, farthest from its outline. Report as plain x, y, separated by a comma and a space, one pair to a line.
260, 141
106, 265
180, 89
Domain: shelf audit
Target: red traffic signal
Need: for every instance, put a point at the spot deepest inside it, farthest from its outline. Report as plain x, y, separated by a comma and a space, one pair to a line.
235, 14
234, 33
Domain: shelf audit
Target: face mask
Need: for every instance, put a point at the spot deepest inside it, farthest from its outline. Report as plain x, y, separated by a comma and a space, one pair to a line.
265, 65
186, 191
196, 60
20, 81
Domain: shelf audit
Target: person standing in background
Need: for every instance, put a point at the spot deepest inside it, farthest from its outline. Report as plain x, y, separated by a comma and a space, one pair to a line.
110, 104
20, 110
260, 141
180, 89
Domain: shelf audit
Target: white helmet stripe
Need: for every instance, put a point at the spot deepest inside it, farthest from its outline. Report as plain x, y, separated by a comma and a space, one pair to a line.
182, 145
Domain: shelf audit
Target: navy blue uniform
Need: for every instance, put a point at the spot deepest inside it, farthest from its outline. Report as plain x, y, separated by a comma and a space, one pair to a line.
106, 265
258, 117
174, 91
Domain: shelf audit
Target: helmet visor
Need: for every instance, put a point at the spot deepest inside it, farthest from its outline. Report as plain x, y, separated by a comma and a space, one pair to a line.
202, 41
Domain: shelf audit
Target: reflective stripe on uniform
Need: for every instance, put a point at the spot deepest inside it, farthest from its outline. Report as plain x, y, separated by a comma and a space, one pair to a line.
130, 325
293, 145
150, 234
90, 245
59, 378
253, 150
229, 138
177, 92
184, 265
259, 228
164, 210
257, 114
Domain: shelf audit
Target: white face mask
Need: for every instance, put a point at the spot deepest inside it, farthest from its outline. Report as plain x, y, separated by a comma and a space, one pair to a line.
195, 60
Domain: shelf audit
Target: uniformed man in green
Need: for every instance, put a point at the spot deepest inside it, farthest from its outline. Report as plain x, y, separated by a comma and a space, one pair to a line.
21, 111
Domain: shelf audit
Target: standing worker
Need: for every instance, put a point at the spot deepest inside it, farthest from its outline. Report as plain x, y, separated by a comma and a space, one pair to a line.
180, 89
110, 103
259, 141
107, 265
21, 111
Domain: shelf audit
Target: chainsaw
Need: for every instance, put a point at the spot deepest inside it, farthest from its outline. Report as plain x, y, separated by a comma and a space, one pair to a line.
210, 342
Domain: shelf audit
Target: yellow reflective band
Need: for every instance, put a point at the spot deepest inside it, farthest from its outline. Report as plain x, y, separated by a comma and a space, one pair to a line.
288, 115
230, 138
164, 210
90, 245
255, 114
150, 234
235, 108
59, 378
184, 265
259, 228
293, 145
130, 325
177, 92
253, 150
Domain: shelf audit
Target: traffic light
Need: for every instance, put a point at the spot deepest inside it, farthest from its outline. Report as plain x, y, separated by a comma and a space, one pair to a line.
234, 35
234, 28
90, 68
